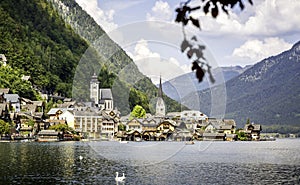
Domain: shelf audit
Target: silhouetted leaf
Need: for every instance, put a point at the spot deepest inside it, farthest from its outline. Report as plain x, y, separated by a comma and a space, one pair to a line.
241, 5
214, 12
190, 53
225, 10
202, 47
184, 45
199, 53
195, 22
195, 65
194, 38
206, 8
199, 71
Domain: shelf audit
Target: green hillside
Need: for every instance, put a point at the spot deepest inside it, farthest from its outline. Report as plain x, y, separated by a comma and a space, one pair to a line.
57, 50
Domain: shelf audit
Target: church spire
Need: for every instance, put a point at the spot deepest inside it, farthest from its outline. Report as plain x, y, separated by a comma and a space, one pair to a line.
160, 104
160, 88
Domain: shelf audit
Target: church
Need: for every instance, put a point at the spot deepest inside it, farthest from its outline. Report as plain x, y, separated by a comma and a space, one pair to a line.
160, 104
100, 97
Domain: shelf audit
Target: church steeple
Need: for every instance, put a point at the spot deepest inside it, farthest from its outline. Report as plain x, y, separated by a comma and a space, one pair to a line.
159, 94
160, 104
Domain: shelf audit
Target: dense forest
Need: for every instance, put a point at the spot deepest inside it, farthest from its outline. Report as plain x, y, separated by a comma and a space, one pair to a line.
54, 42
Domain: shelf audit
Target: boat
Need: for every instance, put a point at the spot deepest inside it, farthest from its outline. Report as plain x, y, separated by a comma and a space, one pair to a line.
189, 143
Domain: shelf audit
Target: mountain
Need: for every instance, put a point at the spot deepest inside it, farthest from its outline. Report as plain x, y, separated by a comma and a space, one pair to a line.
58, 45
267, 93
37, 42
179, 87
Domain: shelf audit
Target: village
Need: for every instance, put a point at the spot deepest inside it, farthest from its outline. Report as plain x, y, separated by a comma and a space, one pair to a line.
99, 120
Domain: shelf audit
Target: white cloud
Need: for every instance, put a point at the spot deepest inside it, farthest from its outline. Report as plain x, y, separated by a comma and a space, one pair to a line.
103, 18
153, 65
267, 17
256, 50
160, 12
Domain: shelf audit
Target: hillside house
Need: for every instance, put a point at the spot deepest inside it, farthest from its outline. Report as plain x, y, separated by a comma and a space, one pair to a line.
13, 100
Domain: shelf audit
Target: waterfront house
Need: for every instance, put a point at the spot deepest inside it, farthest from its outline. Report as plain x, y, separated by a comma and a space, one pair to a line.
165, 130
253, 131
88, 123
134, 135
213, 136
48, 136
182, 133
149, 129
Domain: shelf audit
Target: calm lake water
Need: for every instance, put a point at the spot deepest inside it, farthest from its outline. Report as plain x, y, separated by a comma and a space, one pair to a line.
268, 162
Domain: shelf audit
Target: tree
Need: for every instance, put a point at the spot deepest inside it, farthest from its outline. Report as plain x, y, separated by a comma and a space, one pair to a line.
138, 112
248, 121
194, 51
121, 127
4, 127
60, 127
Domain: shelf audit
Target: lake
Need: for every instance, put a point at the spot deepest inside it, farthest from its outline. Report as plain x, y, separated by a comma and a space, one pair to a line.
266, 162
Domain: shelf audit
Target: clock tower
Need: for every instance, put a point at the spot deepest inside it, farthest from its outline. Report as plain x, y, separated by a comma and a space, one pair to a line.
94, 89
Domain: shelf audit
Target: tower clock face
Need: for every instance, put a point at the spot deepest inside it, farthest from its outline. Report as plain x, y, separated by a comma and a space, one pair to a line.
94, 86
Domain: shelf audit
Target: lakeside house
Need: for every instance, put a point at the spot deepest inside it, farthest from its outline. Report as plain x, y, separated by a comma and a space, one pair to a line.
252, 131
48, 136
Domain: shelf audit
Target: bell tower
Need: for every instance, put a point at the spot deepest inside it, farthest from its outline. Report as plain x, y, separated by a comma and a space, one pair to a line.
94, 89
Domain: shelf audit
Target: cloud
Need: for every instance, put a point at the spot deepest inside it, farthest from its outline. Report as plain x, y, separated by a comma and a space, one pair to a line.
103, 18
256, 50
265, 17
153, 65
161, 12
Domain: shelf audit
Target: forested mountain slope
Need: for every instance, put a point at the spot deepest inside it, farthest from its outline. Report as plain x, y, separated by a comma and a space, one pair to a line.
268, 93
56, 48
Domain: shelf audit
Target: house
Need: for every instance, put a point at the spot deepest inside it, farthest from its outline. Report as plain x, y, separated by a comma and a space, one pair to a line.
182, 133
107, 129
165, 130
88, 122
3, 91
134, 135
61, 116
134, 124
192, 115
253, 131
48, 136
216, 129
13, 100
213, 136
68, 117
149, 129
3, 60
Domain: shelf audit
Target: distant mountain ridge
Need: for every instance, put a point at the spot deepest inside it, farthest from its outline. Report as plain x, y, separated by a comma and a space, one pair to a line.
179, 87
267, 93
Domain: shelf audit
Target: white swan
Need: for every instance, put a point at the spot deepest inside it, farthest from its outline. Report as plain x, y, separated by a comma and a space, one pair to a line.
80, 157
120, 179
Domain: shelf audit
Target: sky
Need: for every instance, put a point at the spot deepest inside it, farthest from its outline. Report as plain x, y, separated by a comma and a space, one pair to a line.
146, 30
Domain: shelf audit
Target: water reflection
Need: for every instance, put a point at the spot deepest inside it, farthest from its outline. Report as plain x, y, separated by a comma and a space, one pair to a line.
218, 163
